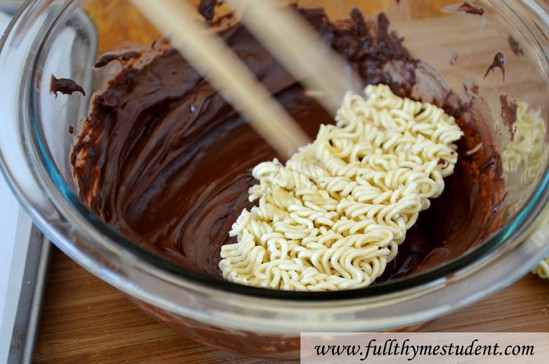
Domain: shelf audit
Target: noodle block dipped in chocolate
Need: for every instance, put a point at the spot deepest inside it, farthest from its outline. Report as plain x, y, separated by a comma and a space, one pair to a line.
166, 161
334, 215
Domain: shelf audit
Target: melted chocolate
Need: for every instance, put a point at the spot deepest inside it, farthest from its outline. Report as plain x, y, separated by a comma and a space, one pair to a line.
65, 86
166, 161
119, 56
471, 9
206, 8
498, 62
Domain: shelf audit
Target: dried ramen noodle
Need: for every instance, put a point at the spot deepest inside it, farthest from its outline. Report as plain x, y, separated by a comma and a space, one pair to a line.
542, 269
335, 214
527, 152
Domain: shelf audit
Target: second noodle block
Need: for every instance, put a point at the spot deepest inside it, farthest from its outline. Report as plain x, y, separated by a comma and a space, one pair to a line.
335, 214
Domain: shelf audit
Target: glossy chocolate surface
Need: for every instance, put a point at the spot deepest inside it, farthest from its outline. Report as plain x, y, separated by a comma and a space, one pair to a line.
166, 161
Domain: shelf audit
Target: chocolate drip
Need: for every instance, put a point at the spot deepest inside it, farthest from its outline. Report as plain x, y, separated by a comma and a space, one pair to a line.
65, 86
498, 62
471, 9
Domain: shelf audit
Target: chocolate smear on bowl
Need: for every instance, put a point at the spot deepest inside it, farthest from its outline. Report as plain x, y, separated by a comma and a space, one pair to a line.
64, 86
471, 9
509, 114
498, 62
515, 46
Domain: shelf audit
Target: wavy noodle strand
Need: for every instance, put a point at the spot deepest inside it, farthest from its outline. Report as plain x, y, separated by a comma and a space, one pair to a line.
335, 214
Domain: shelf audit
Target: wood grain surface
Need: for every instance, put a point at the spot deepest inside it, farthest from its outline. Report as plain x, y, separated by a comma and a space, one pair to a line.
85, 320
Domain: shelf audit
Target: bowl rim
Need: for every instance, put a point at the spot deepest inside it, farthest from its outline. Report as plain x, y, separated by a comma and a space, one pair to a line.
69, 205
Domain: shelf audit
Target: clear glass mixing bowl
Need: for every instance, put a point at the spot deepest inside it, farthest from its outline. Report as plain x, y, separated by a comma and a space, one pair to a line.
35, 148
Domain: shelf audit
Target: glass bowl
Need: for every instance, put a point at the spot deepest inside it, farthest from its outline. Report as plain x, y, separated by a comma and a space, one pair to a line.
39, 129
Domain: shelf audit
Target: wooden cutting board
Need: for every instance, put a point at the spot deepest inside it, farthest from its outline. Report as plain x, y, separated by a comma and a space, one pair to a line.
84, 320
